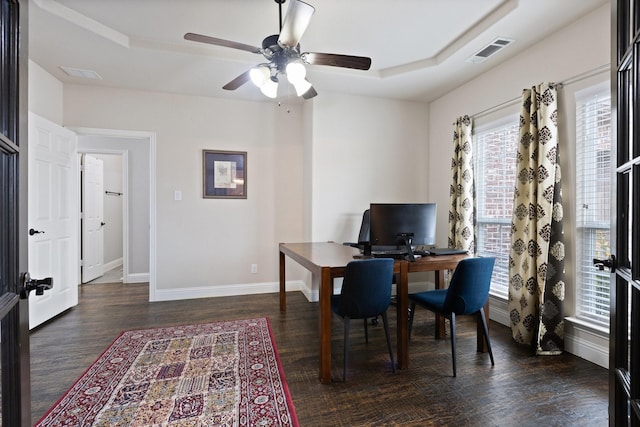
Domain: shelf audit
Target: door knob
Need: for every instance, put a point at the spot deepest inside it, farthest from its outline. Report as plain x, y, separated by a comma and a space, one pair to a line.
609, 263
32, 232
38, 285
102, 224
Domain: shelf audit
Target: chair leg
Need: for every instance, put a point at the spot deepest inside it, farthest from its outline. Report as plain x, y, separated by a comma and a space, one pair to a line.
412, 311
386, 332
347, 323
366, 332
486, 334
452, 321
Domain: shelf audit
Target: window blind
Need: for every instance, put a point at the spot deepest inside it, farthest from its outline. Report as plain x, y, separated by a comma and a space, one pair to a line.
593, 199
495, 163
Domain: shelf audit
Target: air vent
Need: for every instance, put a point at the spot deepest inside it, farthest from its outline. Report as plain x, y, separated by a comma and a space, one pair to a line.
85, 74
489, 50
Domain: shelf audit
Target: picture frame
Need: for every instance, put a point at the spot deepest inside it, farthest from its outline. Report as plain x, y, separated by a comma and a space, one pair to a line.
224, 174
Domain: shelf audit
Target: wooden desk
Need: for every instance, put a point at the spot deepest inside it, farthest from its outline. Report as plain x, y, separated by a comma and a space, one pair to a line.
328, 260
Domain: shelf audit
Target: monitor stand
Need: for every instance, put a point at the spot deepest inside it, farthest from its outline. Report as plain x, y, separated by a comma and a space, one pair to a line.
407, 239
366, 248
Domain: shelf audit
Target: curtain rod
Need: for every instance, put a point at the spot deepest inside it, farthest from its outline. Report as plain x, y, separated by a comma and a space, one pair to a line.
568, 81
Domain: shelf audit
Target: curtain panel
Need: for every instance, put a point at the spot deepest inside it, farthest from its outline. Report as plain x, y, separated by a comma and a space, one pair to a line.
461, 191
536, 259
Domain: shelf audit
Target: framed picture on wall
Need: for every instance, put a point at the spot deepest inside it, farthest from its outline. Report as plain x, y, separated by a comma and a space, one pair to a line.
224, 174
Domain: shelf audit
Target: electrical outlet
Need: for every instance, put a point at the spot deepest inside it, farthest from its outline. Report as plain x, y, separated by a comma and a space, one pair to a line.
254, 268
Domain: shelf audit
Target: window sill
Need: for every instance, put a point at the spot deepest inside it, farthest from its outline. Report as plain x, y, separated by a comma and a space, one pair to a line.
499, 296
592, 327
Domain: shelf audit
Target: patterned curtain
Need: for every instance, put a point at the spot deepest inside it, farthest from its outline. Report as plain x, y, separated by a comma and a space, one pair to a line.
536, 259
461, 191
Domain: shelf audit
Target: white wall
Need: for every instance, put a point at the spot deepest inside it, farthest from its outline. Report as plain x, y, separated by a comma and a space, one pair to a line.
332, 157
45, 94
206, 246
359, 150
364, 150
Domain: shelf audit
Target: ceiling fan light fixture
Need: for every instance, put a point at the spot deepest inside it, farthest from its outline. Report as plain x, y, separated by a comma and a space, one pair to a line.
296, 72
259, 75
269, 88
302, 86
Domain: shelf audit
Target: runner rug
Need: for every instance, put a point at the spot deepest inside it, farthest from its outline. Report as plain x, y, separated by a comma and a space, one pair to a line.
214, 374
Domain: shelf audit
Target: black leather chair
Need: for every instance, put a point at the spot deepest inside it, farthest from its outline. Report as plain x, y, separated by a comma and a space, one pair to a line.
466, 295
363, 235
366, 292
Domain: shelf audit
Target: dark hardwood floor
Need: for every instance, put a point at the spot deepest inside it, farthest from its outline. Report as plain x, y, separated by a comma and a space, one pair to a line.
521, 390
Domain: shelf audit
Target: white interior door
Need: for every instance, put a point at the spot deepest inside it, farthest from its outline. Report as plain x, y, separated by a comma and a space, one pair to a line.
53, 217
92, 218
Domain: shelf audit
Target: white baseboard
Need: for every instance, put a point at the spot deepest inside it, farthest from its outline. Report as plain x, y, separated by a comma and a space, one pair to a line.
587, 342
224, 291
112, 264
498, 310
136, 278
580, 339
310, 294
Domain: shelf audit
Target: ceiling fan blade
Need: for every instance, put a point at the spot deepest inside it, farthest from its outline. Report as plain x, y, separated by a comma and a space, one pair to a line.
335, 60
238, 81
310, 93
221, 42
295, 23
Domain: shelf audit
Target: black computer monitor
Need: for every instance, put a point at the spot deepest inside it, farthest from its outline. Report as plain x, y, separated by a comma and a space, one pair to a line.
402, 225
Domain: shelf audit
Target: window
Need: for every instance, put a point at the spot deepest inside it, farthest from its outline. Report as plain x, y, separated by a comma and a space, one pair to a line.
495, 170
593, 198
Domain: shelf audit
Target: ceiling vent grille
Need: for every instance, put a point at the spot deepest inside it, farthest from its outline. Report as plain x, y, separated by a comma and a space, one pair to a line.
490, 50
77, 72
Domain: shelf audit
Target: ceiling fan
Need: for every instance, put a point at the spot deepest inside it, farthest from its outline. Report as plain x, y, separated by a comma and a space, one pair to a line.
282, 52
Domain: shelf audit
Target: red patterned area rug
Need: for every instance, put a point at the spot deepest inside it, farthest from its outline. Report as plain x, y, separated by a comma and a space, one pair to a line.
214, 374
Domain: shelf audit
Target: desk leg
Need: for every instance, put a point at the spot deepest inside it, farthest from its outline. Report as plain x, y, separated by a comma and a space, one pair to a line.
440, 326
326, 288
283, 290
402, 289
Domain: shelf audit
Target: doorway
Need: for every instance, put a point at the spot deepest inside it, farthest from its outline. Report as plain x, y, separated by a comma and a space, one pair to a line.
137, 151
105, 196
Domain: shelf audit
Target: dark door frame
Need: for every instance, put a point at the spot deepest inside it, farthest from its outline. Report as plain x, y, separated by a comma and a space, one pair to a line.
624, 331
14, 310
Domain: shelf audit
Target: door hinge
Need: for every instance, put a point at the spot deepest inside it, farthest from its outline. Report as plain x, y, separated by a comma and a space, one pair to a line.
81, 263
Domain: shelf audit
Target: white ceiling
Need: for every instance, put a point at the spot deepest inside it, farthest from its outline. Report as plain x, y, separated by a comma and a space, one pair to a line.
418, 47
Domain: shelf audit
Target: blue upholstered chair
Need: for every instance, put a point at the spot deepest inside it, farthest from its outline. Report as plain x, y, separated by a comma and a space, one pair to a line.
366, 292
363, 239
467, 294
